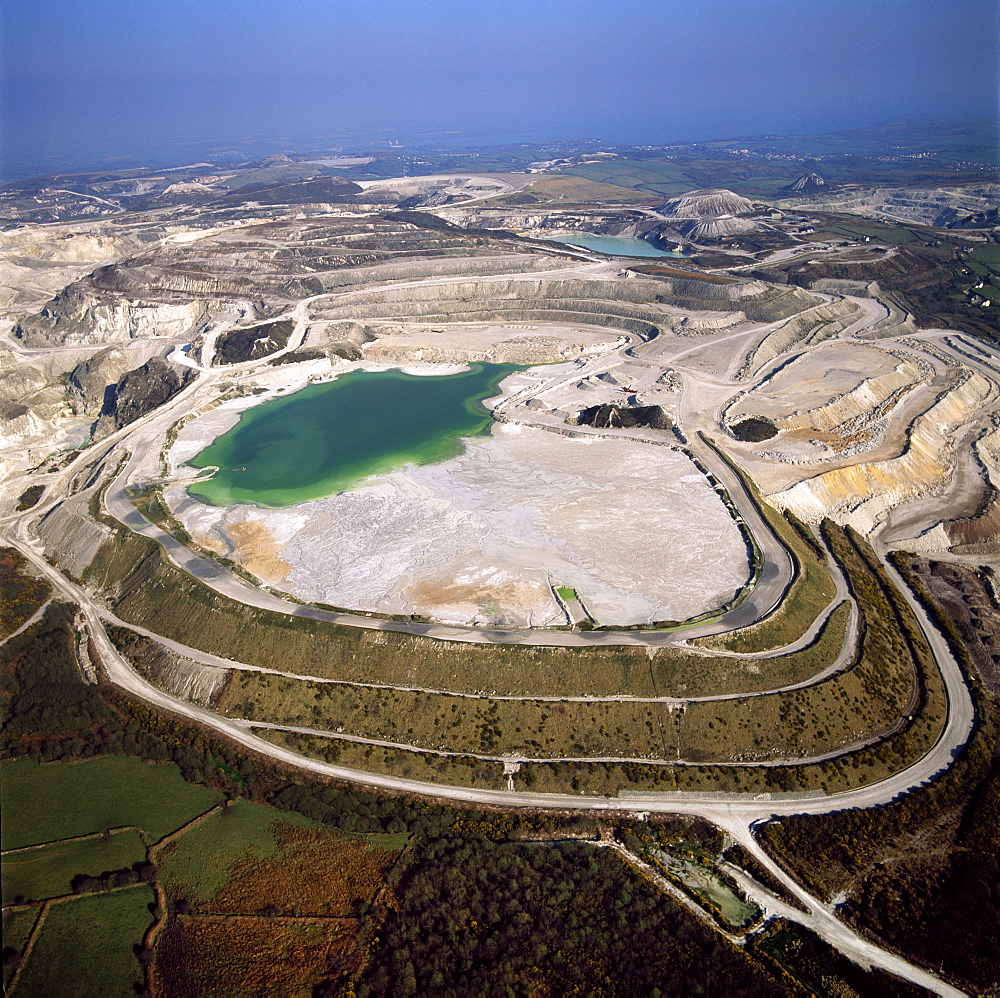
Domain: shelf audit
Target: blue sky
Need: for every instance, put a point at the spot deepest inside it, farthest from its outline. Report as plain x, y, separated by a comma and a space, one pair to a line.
140, 77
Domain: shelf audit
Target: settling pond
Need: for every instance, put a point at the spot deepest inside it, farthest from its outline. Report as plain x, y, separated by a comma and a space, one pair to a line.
613, 245
325, 438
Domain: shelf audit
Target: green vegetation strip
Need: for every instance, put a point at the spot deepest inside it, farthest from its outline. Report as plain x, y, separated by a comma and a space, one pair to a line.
802, 724
460, 771
880, 685
883, 686
488, 726
811, 591
455, 724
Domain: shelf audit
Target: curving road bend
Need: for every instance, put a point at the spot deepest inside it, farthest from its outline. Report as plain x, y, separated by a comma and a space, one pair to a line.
146, 433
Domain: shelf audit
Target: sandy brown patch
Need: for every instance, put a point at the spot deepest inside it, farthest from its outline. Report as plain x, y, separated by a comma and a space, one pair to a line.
510, 593
257, 550
209, 543
807, 434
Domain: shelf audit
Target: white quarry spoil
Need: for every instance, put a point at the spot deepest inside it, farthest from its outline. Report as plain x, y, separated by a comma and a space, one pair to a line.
707, 203
485, 536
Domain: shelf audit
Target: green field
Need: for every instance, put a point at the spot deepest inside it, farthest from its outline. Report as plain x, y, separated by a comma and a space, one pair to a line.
60, 800
988, 255
17, 926
85, 949
984, 262
665, 178
48, 872
563, 187
198, 863
894, 235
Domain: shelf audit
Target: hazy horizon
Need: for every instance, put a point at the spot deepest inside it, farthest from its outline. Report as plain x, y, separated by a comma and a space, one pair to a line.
97, 80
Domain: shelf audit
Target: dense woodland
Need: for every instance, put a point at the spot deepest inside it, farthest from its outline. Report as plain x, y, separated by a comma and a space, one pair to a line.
20, 593
924, 872
481, 918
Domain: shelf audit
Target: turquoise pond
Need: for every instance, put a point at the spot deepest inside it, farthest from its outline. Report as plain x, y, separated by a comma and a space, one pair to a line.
325, 438
614, 245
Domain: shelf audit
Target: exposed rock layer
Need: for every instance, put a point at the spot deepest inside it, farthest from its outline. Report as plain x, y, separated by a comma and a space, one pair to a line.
138, 392
609, 415
866, 491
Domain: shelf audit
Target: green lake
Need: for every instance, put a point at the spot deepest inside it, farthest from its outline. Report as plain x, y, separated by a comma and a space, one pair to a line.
614, 245
325, 438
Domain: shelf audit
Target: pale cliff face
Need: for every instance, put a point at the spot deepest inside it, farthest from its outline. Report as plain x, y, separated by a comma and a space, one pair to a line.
863, 493
86, 320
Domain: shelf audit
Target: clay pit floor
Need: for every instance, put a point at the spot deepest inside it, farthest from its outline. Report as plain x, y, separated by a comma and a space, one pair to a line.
814, 379
483, 537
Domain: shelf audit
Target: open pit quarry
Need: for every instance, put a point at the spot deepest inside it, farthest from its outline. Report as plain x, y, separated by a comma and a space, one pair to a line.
860, 427
554, 483
484, 537
683, 490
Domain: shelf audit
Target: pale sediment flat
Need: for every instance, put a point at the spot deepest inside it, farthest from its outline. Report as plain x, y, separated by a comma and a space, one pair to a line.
484, 536
821, 376
195, 436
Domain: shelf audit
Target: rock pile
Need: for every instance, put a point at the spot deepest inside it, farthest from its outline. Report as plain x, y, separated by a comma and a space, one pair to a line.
710, 214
